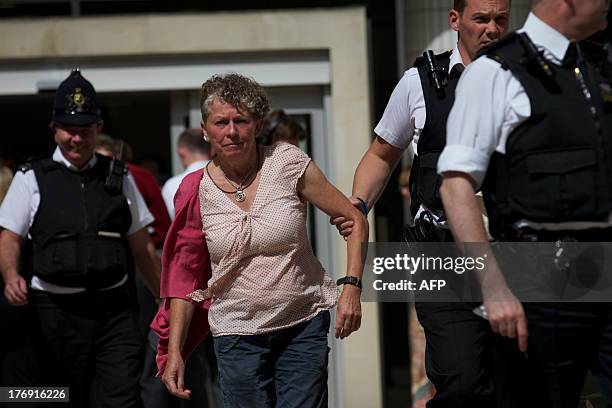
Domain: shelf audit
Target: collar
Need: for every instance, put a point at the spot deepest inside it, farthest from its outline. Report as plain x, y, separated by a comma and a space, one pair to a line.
195, 166
544, 36
59, 157
455, 59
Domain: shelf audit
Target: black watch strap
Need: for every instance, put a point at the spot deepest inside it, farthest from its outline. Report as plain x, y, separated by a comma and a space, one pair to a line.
349, 280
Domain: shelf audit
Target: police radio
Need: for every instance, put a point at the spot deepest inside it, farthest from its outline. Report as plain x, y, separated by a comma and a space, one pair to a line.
436, 74
116, 171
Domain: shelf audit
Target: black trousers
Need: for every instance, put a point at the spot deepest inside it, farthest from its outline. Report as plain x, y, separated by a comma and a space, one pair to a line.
565, 341
458, 356
89, 342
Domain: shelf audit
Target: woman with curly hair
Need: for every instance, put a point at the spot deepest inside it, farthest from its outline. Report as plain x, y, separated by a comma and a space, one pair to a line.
269, 295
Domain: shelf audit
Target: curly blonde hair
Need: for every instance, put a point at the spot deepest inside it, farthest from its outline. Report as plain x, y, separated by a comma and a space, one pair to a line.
239, 91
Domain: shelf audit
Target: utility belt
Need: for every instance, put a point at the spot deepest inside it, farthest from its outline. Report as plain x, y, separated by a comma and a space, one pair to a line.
424, 230
512, 234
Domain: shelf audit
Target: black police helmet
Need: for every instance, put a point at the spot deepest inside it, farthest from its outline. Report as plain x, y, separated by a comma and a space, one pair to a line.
75, 102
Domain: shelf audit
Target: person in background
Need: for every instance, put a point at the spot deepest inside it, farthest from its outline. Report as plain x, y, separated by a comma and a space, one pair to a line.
86, 223
156, 165
278, 127
194, 153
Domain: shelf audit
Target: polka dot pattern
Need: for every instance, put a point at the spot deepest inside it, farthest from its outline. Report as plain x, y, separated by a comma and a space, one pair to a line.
265, 276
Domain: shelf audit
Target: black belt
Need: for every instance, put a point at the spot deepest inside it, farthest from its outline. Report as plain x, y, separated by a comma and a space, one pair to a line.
532, 235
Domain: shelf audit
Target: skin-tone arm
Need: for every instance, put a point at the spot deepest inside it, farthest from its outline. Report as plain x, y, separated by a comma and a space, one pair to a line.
314, 187
146, 260
181, 312
15, 286
504, 312
371, 177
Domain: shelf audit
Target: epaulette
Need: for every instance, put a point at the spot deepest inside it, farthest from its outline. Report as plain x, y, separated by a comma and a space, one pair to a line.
421, 61
27, 166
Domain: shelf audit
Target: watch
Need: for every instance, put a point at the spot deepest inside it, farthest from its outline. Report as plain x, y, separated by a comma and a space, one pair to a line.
350, 280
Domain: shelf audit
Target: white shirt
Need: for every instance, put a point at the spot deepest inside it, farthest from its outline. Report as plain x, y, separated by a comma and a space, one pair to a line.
20, 205
405, 115
490, 103
172, 184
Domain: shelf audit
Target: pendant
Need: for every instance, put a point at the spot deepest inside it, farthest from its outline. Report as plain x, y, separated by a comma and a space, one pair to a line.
240, 196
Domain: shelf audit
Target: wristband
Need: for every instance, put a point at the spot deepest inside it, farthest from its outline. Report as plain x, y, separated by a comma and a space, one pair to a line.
363, 207
349, 280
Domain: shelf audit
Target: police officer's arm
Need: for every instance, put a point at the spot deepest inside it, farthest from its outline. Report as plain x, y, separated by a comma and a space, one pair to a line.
15, 286
504, 312
147, 263
371, 177
181, 312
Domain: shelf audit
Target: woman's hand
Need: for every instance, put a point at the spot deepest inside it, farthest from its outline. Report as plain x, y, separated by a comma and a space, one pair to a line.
174, 376
344, 226
181, 312
348, 316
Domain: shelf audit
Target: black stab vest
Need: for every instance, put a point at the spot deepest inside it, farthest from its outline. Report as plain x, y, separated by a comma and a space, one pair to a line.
425, 181
557, 166
79, 231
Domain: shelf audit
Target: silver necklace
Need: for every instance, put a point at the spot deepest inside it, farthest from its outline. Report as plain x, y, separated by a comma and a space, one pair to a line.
239, 194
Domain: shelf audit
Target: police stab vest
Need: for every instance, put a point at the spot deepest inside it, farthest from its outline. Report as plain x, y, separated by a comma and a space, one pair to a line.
79, 232
558, 163
424, 179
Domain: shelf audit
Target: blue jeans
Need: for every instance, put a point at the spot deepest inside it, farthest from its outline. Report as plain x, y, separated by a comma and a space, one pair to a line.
282, 369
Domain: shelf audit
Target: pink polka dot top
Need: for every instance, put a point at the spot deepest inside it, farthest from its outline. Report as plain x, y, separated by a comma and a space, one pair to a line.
265, 276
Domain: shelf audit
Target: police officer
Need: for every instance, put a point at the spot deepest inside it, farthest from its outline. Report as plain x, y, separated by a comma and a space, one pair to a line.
457, 340
530, 120
85, 222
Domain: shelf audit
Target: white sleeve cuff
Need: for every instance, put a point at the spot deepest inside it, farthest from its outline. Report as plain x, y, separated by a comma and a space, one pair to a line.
388, 137
12, 226
464, 159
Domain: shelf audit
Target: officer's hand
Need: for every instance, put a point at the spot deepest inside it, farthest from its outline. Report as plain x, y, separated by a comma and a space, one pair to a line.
16, 291
174, 376
348, 316
344, 226
506, 316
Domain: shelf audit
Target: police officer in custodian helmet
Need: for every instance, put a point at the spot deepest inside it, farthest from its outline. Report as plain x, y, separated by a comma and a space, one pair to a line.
84, 220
